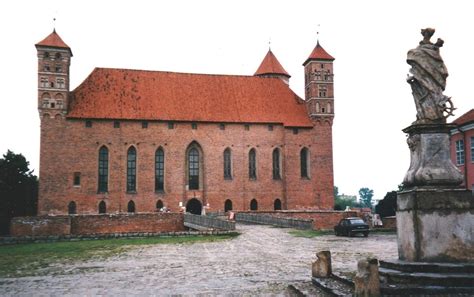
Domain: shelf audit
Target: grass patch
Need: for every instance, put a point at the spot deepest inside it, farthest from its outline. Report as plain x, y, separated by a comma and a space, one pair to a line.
37, 258
310, 233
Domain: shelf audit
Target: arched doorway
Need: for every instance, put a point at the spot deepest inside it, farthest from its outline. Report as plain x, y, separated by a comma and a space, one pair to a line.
194, 206
227, 205
277, 204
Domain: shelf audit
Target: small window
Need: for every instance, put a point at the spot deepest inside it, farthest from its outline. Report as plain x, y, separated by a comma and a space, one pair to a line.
277, 204
159, 205
247, 127
71, 208
460, 152
144, 125
59, 68
323, 110
77, 179
88, 124
170, 125
222, 126
58, 56
44, 82
131, 206
46, 68
61, 83
46, 54
253, 204
227, 205
295, 131
52, 84
194, 126
322, 66
116, 124
270, 127
102, 207
53, 105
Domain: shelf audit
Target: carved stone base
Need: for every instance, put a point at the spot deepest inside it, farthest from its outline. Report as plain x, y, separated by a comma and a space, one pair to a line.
430, 162
435, 225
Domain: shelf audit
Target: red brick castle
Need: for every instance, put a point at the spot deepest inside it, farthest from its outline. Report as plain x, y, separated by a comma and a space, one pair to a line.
137, 141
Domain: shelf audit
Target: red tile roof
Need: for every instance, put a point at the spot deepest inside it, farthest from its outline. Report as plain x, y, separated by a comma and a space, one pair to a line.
54, 40
466, 118
155, 95
271, 65
319, 53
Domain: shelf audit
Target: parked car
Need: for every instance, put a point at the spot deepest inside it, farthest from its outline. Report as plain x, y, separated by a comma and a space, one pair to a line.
351, 226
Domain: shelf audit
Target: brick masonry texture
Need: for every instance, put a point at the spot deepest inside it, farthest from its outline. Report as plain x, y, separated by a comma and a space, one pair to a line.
322, 220
67, 146
97, 224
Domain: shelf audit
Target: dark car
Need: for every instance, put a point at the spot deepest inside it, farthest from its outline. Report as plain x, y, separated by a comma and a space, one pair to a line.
351, 226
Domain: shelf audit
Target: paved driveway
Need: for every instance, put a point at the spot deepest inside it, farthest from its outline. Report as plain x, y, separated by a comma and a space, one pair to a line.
263, 260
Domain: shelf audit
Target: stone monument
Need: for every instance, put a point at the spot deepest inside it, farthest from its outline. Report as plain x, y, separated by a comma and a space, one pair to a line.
434, 214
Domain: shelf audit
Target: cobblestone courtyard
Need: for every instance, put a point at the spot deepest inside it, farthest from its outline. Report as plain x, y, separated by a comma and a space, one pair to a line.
262, 261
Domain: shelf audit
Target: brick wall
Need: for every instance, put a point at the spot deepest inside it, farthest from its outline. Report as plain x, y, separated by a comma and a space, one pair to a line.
97, 224
321, 219
389, 222
127, 223
67, 146
40, 226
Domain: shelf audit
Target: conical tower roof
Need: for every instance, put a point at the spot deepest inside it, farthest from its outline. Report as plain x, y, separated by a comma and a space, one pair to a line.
54, 40
271, 65
319, 53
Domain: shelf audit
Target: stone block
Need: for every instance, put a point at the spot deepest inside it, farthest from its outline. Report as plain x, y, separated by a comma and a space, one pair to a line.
366, 281
322, 266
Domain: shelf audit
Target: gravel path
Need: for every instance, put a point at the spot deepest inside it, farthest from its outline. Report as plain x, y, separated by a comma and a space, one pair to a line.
262, 261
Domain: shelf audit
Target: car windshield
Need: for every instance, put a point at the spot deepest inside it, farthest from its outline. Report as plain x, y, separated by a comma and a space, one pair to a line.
358, 221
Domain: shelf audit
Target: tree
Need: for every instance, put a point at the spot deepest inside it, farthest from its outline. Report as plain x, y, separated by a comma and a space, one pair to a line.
18, 189
388, 205
366, 195
342, 201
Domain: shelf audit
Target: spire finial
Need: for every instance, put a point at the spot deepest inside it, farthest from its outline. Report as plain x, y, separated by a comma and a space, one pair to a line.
269, 43
54, 24
317, 33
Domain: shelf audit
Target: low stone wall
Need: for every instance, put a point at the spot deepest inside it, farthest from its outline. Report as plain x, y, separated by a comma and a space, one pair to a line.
40, 226
127, 223
322, 219
96, 224
267, 219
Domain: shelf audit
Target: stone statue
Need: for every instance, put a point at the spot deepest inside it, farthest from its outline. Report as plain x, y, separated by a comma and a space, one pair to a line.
428, 81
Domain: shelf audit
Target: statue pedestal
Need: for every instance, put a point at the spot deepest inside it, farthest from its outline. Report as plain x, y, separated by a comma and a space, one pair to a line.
430, 162
435, 225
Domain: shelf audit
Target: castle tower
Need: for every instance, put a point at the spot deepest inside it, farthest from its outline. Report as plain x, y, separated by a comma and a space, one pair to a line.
54, 59
319, 84
271, 67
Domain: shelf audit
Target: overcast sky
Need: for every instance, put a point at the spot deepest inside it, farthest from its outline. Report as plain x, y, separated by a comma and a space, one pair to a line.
369, 40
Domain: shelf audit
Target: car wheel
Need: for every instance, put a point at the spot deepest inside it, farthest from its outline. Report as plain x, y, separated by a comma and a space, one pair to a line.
351, 234
366, 234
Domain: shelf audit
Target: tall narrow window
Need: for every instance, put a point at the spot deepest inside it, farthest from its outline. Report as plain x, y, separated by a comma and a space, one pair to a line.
227, 164
472, 149
252, 164
304, 162
103, 170
71, 208
276, 164
193, 168
131, 169
102, 207
460, 152
77, 179
159, 170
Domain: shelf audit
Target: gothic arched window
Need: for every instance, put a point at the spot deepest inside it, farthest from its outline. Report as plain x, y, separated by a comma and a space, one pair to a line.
193, 168
102, 207
131, 169
253, 204
227, 205
159, 170
131, 206
252, 164
277, 204
103, 185
304, 162
276, 164
227, 164
71, 208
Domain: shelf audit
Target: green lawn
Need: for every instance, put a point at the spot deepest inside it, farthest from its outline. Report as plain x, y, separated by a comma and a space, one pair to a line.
310, 233
40, 258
